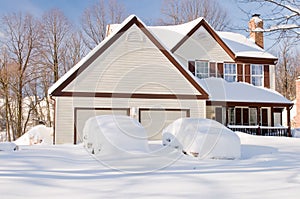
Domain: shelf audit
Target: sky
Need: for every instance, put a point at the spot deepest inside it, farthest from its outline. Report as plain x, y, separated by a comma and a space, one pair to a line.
149, 11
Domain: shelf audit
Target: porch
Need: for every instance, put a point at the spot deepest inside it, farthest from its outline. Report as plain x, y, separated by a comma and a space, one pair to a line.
265, 119
261, 130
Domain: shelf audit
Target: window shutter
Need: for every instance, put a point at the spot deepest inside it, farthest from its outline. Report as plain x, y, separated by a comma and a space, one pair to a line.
220, 70
266, 76
247, 73
212, 69
192, 66
240, 72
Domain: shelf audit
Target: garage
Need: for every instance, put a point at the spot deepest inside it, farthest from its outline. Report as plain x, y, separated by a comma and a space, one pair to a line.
83, 114
155, 120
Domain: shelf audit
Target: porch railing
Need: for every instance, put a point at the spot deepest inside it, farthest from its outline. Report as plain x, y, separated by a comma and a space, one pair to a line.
261, 130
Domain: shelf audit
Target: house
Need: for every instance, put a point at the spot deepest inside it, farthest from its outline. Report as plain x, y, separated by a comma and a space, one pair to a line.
158, 74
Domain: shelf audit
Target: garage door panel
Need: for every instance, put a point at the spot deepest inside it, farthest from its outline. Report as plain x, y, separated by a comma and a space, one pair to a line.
155, 120
83, 114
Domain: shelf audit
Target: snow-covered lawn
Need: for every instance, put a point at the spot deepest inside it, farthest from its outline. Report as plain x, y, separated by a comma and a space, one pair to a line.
269, 167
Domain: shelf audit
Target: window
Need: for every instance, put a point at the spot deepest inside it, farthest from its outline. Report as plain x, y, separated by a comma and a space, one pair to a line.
230, 72
202, 70
253, 116
257, 74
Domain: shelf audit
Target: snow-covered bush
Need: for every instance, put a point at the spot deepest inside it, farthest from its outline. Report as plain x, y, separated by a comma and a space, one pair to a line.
113, 134
202, 138
39, 134
8, 146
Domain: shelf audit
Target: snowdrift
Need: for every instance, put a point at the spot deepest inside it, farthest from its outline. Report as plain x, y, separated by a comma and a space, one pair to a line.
296, 133
202, 138
114, 134
39, 134
8, 146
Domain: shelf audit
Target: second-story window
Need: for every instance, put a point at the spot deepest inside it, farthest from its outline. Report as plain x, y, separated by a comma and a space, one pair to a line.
257, 74
202, 69
230, 72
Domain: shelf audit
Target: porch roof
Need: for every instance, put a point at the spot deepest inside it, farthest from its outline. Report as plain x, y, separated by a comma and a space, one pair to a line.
220, 90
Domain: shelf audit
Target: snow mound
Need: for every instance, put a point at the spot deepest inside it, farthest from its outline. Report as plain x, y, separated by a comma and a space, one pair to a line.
296, 133
39, 134
202, 138
113, 134
8, 146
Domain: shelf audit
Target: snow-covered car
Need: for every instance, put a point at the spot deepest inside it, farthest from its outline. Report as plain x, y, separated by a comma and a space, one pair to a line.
202, 138
8, 146
111, 134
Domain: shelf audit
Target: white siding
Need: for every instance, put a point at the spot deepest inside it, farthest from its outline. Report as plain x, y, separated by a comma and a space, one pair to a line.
132, 64
201, 46
64, 129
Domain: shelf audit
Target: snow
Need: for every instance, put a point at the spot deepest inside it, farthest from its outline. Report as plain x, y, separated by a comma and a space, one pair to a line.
8, 146
243, 46
202, 138
39, 134
221, 90
111, 134
269, 167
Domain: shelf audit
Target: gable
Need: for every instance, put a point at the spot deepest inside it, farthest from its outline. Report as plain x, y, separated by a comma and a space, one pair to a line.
131, 64
201, 44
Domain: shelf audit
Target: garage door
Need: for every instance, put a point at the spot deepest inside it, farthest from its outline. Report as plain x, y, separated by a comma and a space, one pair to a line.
155, 120
83, 114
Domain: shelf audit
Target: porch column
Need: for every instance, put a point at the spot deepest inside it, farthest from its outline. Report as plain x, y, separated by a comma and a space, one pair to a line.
258, 120
226, 115
272, 116
288, 111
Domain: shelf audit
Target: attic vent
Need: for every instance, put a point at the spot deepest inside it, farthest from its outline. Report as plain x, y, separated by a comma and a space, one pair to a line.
135, 36
201, 35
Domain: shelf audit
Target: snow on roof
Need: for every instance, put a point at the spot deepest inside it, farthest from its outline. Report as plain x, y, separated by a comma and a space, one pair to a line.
88, 56
221, 90
172, 34
243, 46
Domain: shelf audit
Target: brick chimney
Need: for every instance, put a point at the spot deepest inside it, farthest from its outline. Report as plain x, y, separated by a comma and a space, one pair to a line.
256, 26
297, 117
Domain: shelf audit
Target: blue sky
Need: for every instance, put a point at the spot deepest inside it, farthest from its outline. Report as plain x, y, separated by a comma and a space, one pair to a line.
148, 10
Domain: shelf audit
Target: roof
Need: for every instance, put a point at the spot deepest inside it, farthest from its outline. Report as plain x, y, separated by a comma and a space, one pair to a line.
57, 88
222, 91
236, 45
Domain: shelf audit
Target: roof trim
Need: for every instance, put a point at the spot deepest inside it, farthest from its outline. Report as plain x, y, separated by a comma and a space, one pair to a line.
254, 60
253, 104
132, 95
134, 20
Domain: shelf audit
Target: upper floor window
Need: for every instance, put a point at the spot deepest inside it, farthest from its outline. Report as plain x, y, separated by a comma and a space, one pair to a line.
202, 69
257, 74
230, 72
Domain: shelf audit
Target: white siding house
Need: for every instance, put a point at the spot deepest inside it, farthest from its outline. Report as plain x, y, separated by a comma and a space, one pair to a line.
153, 74
129, 73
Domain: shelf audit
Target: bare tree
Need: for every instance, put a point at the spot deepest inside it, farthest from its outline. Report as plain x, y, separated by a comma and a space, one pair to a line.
5, 76
287, 70
95, 19
22, 34
282, 17
56, 29
181, 11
